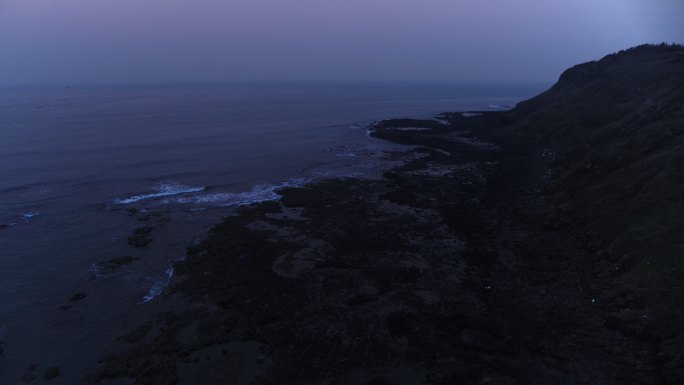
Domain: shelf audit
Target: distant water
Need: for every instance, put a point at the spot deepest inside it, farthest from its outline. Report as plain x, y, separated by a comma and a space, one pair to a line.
75, 160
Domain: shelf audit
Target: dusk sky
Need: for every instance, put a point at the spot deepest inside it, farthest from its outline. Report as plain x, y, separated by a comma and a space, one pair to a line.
71, 42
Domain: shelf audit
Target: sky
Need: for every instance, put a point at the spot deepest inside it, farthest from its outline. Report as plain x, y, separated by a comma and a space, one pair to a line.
87, 42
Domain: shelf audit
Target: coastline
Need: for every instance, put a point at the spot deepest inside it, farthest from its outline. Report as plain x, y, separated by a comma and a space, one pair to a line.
442, 271
178, 182
538, 245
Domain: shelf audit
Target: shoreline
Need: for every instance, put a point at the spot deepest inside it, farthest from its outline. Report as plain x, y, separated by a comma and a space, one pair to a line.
418, 277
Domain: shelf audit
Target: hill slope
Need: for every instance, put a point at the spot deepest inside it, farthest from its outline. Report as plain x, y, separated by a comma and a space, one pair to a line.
614, 130
531, 247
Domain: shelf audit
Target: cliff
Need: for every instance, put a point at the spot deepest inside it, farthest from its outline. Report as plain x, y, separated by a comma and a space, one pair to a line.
615, 131
537, 246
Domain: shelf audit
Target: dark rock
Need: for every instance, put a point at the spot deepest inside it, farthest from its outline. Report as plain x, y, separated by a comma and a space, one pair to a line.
77, 297
114, 264
399, 323
137, 334
379, 381
122, 260
3, 226
141, 237
29, 376
51, 372
474, 283
361, 299
673, 372
628, 322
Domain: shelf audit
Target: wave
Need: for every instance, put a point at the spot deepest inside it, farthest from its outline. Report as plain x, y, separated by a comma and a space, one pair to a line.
500, 107
30, 214
158, 286
470, 114
354, 151
164, 190
97, 271
258, 193
368, 126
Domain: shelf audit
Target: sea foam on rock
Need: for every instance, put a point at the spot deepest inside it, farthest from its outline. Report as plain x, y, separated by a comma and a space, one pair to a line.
164, 190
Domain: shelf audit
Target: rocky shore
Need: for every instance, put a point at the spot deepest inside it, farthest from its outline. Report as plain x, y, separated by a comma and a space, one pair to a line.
464, 265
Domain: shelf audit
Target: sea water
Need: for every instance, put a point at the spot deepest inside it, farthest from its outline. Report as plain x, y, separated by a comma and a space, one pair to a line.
79, 167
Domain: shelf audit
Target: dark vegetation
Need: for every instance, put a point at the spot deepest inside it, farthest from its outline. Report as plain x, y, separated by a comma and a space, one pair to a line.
615, 132
537, 246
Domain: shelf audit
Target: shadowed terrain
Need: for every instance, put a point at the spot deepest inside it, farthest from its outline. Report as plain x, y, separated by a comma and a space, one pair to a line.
537, 246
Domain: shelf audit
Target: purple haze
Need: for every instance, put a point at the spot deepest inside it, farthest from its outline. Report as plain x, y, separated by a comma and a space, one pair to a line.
47, 42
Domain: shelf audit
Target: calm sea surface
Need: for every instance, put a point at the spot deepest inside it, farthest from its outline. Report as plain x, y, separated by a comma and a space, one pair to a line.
73, 161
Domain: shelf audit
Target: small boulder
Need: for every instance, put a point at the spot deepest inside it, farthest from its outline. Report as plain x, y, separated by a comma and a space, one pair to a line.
77, 297
116, 263
141, 237
360, 299
51, 372
399, 323
379, 381
125, 260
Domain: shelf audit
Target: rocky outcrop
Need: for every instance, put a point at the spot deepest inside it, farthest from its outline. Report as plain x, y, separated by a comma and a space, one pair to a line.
615, 132
535, 246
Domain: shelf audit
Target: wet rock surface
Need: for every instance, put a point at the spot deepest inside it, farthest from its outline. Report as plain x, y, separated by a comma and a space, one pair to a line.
51, 372
445, 271
142, 236
77, 297
536, 246
114, 264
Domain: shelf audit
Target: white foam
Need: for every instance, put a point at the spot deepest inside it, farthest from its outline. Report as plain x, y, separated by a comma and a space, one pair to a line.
349, 154
499, 107
158, 286
258, 193
367, 127
164, 190
353, 151
30, 214
97, 272
471, 114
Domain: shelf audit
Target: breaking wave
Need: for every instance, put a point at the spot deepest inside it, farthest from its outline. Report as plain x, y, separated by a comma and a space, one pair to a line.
164, 190
30, 214
258, 193
158, 286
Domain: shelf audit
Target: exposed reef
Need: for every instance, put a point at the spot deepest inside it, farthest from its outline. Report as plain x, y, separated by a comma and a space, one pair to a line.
507, 248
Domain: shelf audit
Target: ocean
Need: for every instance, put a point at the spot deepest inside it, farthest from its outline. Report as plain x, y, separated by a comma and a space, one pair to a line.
82, 168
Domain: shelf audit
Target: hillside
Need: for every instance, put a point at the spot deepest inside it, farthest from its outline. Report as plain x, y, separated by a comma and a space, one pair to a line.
537, 246
615, 132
